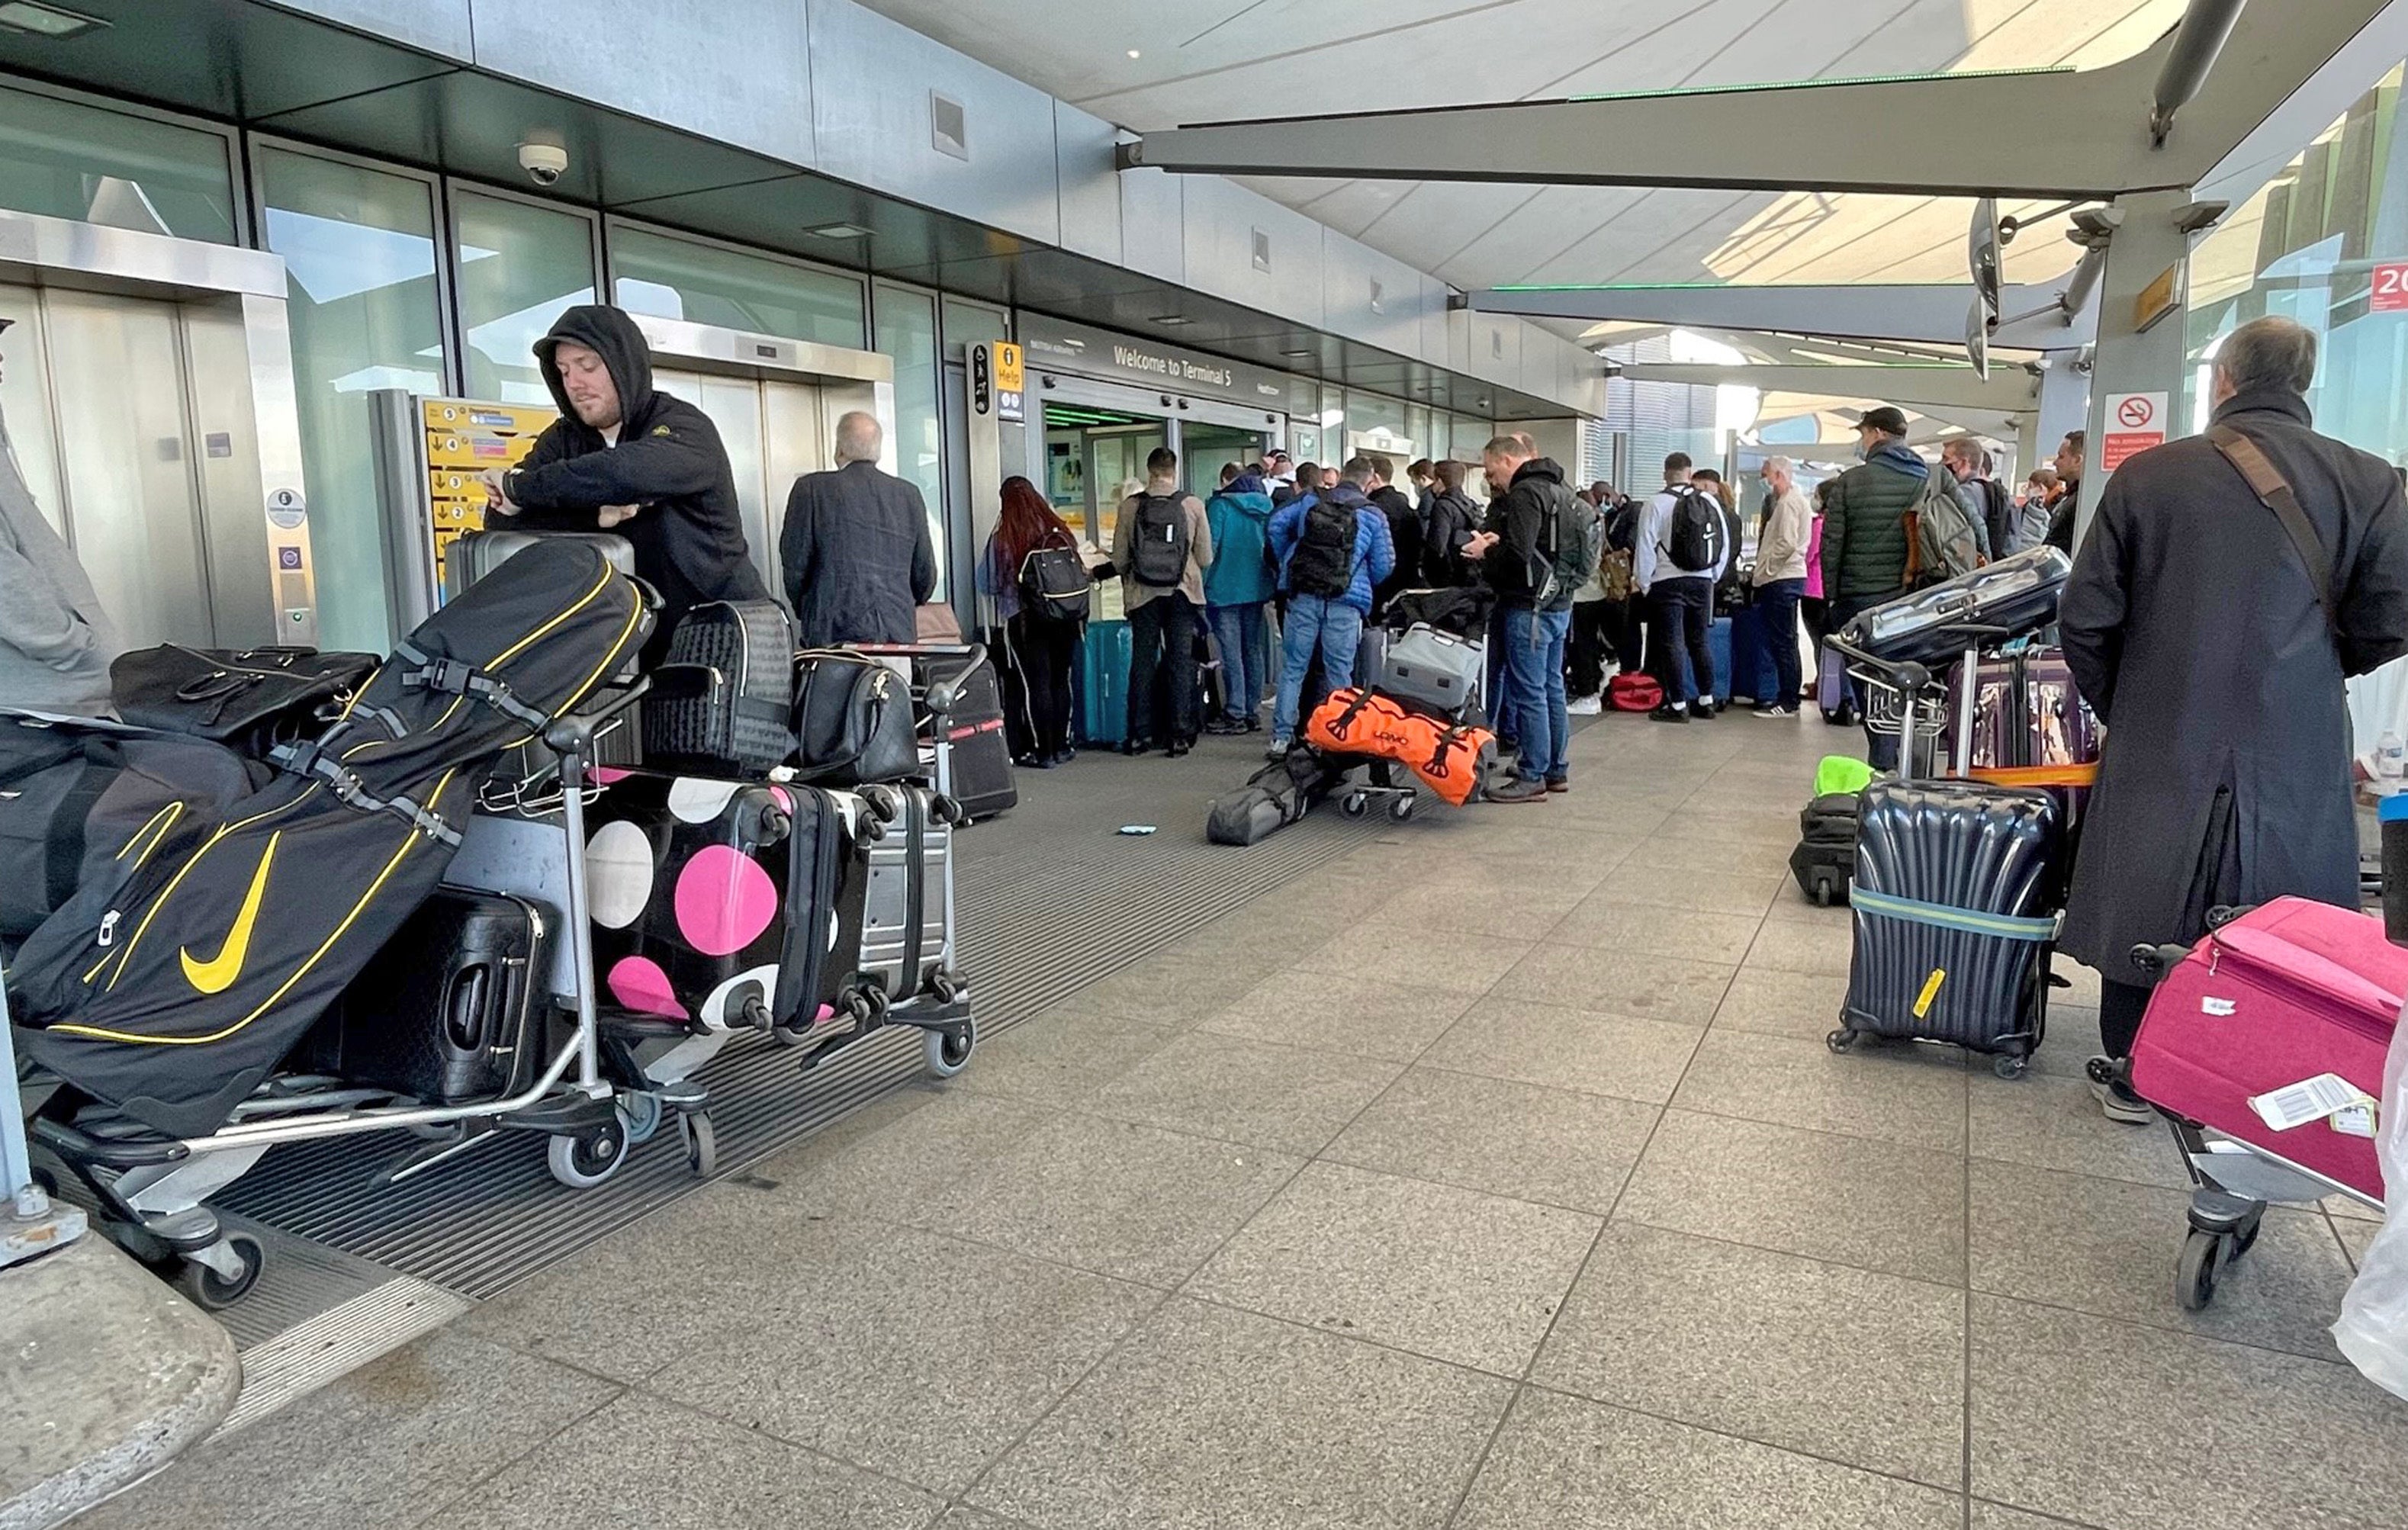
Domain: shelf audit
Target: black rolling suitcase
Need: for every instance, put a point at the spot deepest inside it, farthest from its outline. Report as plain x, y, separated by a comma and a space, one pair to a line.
1824, 860
451, 1010
723, 701
977, 773
1954, 904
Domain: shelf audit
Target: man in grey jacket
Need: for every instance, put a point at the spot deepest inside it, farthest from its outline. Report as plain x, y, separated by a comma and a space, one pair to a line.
55, 640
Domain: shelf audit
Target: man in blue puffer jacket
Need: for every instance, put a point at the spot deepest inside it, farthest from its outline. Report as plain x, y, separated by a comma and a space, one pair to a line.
1236, 589
1332, 624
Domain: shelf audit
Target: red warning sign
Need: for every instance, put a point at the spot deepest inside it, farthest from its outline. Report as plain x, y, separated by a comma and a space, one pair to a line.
2135, 423
2390, 290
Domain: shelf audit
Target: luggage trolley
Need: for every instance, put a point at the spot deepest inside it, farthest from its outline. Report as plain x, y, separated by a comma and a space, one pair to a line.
151, 1191
1461, 614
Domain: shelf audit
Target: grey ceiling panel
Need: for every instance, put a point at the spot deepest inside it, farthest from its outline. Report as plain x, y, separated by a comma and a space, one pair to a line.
733, 70
1153, 223
1435, 297
908, 116
1090, 186
1369, 296
431, 26
1251, 250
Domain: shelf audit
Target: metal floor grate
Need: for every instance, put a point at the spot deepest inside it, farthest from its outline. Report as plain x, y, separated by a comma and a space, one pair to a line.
1054, 899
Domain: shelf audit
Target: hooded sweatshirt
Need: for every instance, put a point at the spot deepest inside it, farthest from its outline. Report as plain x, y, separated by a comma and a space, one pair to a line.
55, 640
688, 532
1241, 522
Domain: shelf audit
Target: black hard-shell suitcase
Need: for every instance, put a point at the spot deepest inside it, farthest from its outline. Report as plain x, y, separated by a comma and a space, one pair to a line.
1953, 905
977, 773
451, 1008
723, 700
1825, 858
2007, 599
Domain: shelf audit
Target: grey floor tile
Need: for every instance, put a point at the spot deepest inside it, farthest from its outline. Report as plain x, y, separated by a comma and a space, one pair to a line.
1401, 955
2084, 982
1794, 945
1987, 1516
1531, 835
1176, 990
1556, 1146
1675, 848
1058, 1059
1913, 1097
2042, 1121
1131, 1201
2118, 1424
1851, 1200
641, 1463
1564, 1464
2357, 1237
1371, 1017
1695, 934
370, 1450
2350, 1208
1670, 882
1840, 1363
915, 1355
2069, 1041
1288, 1098
1536, 1043
2108, 1247
897, 1172
1777, 1003
1509, 906
1793, 907
1210, 1419
1634, 981
1445, 1272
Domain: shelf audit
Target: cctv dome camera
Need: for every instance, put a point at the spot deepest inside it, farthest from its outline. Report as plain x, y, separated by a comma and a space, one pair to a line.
544, 163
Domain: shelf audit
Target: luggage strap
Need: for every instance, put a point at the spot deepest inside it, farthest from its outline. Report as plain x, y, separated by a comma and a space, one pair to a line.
312, 759
2274, 492
1916, 911
457, 677
2053, 775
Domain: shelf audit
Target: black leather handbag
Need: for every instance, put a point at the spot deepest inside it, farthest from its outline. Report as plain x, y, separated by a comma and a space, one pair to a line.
854, 719
250, 700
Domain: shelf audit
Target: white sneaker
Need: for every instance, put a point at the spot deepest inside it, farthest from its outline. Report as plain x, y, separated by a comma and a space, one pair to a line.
1586, 706
1776, 711
1278, 749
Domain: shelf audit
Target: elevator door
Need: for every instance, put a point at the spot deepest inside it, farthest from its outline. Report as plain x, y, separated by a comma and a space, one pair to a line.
774, 433
131, 420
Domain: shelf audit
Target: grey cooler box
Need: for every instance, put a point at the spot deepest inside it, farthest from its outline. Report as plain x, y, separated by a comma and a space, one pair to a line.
1432, 669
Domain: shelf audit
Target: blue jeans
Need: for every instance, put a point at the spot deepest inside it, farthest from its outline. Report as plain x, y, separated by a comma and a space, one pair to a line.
1245, 639
1776, 606
1313, 621
1534, 667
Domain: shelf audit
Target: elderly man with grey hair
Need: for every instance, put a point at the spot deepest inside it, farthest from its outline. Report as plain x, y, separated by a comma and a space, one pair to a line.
1781, 581
856, 551
2227, 586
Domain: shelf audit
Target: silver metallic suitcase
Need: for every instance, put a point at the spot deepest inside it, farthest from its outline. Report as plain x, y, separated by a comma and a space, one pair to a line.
907, 922
1431, 669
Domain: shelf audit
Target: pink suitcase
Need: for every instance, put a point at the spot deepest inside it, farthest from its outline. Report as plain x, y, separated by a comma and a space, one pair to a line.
2280, 994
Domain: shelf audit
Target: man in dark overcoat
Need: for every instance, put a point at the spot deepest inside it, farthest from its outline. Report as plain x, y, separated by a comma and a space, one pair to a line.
2213, 641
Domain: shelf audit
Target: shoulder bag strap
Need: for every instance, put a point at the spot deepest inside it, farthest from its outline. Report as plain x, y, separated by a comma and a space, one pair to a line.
2274, 491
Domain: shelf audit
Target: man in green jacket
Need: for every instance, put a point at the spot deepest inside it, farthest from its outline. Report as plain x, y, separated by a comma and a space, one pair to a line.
1864, 533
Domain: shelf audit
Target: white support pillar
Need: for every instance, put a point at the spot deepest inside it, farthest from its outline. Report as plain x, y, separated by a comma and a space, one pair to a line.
2145, 246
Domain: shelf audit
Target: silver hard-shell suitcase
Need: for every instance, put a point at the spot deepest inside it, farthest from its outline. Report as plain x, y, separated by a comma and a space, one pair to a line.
1432, 669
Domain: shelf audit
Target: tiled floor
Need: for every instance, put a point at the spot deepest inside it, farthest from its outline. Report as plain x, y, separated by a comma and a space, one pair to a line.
1494, 1177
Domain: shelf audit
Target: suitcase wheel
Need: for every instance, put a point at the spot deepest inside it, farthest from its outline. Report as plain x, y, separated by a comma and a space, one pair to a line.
582, 1162
2196, 1269
212, 1291
2007, 1065
1400, 809
701, 1141
948, 1051
1841, 1040
1354, 803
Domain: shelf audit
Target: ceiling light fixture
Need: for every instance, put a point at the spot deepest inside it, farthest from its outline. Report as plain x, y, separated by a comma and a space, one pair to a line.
1170, 319
1133, 53
1297, 354
840, 230
46, 21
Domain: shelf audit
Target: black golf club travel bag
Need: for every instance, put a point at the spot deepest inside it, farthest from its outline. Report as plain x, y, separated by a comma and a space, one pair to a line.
178, 978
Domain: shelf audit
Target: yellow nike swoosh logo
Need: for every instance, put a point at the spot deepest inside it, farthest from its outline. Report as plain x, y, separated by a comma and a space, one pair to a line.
217, 974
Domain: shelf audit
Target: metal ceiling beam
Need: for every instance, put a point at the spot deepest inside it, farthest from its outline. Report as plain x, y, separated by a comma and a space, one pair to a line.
2006, 390
2074, 134
1931, 313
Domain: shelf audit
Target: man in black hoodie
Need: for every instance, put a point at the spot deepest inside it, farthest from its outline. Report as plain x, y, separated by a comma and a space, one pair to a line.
1404, 530
622, 458
1529, 555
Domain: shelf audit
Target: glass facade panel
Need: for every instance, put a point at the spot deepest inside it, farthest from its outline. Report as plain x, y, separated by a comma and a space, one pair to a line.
516, 267
678, 278
63, 159
2313, 244
360, 263
968, 324
907, 332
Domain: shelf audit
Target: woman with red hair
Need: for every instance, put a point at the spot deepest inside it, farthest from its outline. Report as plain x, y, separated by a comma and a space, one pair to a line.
1040, 646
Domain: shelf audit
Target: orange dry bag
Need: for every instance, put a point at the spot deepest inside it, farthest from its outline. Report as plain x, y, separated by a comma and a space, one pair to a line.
1450, 758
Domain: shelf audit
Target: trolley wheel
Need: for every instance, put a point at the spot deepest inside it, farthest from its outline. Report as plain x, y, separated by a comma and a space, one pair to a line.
1841, 1040
1400, 809
2007, 1065
212, 1292
701, 1141
1821, 891
2196, 1269
580, 1162
639, 1116
1353, 804
947, 1054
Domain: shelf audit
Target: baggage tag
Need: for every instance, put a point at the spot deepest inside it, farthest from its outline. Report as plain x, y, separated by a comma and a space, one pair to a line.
2309, 1099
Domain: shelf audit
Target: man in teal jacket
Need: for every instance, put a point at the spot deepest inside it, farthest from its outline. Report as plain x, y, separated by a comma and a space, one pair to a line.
1237, 588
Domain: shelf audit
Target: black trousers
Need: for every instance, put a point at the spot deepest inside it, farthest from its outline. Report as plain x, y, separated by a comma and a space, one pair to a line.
2120, 1006
1042, 652
1881, 750
1585, 655
1682, 640
1162, 652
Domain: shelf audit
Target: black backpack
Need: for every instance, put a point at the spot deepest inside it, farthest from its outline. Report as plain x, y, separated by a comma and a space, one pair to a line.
1158, 542
1053, 585
1323, 563
1697, 538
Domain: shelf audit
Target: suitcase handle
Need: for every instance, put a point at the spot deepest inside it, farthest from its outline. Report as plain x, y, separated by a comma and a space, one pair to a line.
466, 1003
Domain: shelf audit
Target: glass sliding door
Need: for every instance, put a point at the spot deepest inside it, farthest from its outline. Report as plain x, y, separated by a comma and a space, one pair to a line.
516, 267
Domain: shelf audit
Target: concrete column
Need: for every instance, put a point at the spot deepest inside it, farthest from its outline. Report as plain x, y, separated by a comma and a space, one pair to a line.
2144, 244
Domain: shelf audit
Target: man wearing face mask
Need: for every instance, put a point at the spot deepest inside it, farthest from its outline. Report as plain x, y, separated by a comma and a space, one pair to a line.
626, 459
1864, 533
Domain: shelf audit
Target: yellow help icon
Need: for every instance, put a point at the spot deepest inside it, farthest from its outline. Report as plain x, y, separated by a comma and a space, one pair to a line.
217, 974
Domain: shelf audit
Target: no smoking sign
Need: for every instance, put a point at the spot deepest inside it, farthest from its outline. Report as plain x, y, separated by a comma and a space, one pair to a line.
2135, 423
